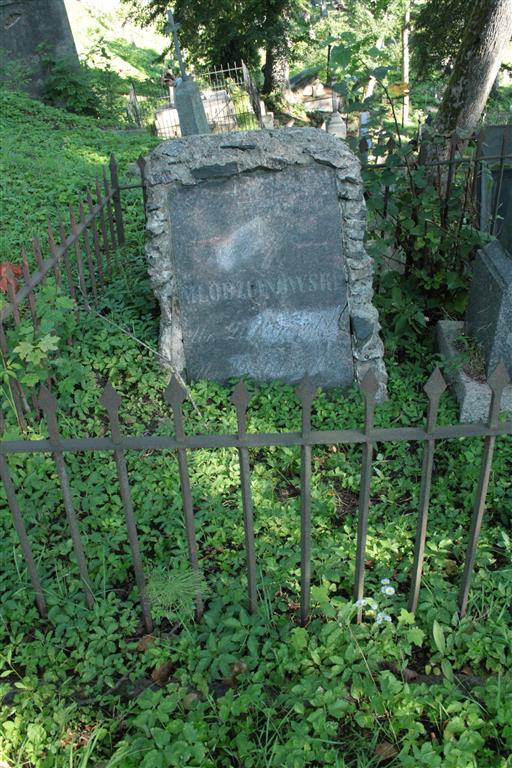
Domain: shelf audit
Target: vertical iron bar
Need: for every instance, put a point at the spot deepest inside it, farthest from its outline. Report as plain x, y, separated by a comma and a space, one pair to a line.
118, 208
28, 282
175, 395
49, 406
14, 385
449, 180
11, 293
78, 255
53, 251
369, 386
36, 247
67, 268
103, 227
19, 525
306, 393
111, 401
90, 265
496, 203
110, 217
434, 388
497, 382
95, 238
141, 162
240, 399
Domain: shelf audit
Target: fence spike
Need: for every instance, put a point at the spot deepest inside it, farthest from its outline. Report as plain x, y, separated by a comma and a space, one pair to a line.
110, 398
497, 381
369, 384
499, 378
47, 401
240, 399
175, 394
436, 385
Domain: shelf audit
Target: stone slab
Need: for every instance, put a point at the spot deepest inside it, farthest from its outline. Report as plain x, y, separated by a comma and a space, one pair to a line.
255, 251
489, 315
262, 289
190, 108
474, 397
493, 142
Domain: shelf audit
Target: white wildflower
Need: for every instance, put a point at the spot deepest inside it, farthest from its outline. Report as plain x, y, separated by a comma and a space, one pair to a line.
385, 581
361, 602
381, 616
388, 590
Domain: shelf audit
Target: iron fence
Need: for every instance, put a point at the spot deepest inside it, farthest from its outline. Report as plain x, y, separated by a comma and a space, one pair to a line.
181, 443
87, 255
230, 98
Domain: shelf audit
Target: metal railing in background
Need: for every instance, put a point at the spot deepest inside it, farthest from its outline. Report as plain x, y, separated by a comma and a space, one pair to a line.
230, 98
87, 256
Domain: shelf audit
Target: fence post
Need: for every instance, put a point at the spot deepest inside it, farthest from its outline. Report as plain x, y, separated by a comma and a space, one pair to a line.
434, 388
19, 525
174, 396
369, 387
116, 197
48, 404
497, 381
240, 399
306, 393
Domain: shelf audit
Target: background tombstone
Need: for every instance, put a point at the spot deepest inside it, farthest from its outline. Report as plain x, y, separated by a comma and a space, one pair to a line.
495, 182
186, 92
489, 316
255, 251
24, 26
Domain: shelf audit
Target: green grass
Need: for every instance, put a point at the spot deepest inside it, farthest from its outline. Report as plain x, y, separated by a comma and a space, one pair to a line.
235, 689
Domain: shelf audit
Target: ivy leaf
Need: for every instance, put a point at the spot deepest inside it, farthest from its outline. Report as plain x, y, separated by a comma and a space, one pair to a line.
439, 640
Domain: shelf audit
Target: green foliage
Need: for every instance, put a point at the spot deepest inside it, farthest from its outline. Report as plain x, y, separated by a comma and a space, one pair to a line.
89, 688
47, 157
68, 86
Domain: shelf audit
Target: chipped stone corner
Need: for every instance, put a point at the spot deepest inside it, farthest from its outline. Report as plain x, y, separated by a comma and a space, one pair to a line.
197, 159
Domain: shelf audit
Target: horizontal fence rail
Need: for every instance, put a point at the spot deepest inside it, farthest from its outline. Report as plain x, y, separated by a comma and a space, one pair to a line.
306, 439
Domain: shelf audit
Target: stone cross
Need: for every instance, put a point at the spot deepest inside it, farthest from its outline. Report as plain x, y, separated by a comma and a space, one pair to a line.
173, 27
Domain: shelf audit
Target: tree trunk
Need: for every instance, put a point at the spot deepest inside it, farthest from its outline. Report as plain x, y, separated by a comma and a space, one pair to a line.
405, 60
476, 67
276, 71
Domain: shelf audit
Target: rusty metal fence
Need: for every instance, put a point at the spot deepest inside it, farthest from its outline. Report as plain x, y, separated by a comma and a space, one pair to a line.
87, 256
181, 443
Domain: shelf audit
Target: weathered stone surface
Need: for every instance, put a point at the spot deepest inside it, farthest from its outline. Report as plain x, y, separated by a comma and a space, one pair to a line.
489, 316
24, 26
256, 262
474, 397
495, 183
190, 108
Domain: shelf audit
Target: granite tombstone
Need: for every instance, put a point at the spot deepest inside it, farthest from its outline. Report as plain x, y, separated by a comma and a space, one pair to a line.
255, 253
489, 315
494, 185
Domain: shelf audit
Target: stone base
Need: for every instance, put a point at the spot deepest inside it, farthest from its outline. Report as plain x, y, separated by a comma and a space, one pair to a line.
474, 397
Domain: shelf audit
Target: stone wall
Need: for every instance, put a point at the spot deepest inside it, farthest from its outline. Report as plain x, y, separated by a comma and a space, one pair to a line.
24, 25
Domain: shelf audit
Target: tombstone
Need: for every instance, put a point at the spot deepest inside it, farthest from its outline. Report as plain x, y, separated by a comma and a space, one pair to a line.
489, 315
186, 92
495, 182
255, 252
25, 25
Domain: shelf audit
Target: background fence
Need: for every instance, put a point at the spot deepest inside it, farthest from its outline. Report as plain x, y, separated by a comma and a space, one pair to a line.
87, 255
230, 98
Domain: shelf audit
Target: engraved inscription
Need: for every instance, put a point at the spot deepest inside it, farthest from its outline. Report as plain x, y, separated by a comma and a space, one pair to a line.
260, 276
